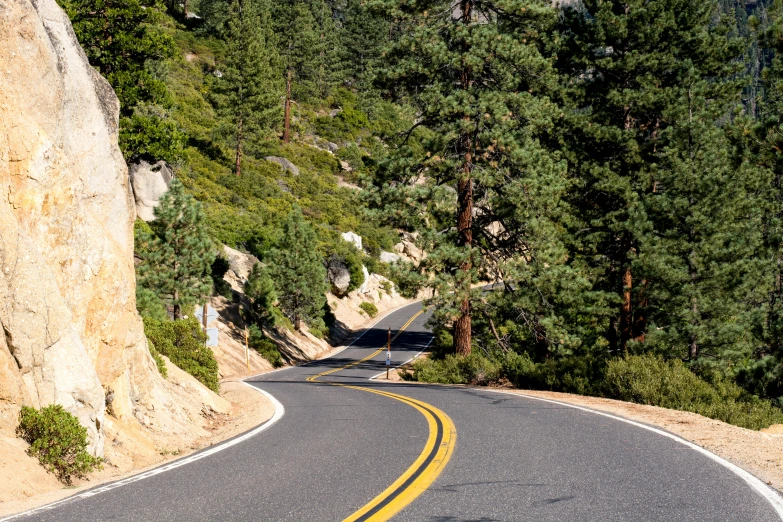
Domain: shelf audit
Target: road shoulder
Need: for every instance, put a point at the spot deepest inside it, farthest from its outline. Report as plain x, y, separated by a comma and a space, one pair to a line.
249, 409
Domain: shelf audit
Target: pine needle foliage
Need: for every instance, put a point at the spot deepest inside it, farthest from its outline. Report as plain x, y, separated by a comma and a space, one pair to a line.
627, 65
177, 257
485, 187
298, 272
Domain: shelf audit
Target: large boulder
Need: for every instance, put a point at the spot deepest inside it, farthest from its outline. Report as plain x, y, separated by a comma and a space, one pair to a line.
365, 286
286, 164
407, 249
339, 276
71, 333
239, 267
150, 183
390, 257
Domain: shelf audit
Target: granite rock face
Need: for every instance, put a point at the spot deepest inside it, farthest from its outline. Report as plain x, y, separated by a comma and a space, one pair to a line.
69, 330
150, 183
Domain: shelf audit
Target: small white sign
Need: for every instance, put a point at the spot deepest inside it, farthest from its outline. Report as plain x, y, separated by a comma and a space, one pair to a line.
388, 358
212, 336
211, 314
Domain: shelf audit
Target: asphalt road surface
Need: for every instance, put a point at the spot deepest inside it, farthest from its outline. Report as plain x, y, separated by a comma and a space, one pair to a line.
345, 441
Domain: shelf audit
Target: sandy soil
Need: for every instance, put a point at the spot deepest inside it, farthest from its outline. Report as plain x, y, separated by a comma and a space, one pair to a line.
759, 452
26, 485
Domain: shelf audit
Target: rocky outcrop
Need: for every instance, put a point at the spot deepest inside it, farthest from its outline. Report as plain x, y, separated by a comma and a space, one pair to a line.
390, 257
69, 330
339, 275
407, 249
286, 164
150, 183
239, 267
354, 238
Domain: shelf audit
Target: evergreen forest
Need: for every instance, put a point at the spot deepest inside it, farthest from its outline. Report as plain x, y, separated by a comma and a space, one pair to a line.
612, 168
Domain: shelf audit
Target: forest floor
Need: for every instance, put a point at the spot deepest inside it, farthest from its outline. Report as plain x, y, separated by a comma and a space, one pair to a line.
758, 452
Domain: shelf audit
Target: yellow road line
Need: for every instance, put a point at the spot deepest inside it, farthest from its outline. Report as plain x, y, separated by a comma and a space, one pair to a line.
314, 378
430, 462
422, 473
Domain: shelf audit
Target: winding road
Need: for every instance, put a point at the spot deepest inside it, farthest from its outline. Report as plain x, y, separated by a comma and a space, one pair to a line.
350, 448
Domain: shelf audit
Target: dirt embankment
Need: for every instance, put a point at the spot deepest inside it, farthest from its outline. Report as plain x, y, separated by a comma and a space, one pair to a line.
130, 449
24, 484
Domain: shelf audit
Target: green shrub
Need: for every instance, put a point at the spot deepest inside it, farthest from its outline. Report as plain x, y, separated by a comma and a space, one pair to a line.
454, 369
369, 308
566, 374
648, 379
264, 346
442, 342
58, 441
183, 343
219, 285
159, 362
407, 278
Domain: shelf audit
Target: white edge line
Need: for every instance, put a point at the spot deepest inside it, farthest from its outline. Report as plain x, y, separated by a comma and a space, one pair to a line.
766, 492
279, 412
406, 362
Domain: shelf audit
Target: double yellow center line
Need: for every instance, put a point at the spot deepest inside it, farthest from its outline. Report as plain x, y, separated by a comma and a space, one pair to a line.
427, 466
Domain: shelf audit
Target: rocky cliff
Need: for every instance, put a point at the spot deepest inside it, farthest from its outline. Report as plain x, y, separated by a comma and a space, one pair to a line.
70, 331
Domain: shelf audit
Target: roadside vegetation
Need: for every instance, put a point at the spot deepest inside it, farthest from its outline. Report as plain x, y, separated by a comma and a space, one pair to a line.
58, 441
615, 168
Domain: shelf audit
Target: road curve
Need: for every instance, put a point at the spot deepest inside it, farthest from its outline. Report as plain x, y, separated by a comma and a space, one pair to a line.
339, 448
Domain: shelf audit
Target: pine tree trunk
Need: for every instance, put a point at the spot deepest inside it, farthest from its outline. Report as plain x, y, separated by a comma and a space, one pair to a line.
462, 326
640, 320
238, 164
297, 323
287, 124
693, 348
626, 313
611, 334
177, 311
185, 9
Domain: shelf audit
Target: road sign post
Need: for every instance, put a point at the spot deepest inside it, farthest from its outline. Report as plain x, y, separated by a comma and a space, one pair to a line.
206, 315
388, 354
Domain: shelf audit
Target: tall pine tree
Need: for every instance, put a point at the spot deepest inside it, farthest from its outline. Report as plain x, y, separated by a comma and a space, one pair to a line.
298, 272
764, 372
483, 191
301, 47
176, 259
247, 94
626, 64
